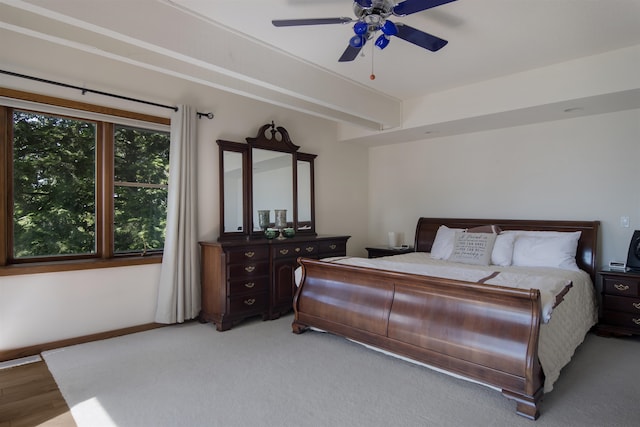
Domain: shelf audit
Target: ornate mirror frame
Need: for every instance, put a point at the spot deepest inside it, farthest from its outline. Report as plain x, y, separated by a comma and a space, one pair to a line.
238, 172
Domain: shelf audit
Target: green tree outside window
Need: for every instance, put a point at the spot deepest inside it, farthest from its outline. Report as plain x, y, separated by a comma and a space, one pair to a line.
141, 163
54, 187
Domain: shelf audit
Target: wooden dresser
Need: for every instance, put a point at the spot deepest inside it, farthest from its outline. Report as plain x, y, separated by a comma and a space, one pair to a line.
249, 277
620, 308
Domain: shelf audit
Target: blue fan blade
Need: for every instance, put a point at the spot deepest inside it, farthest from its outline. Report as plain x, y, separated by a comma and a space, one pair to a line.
349, 54
364, 3
313, 21
408, 7
420, 38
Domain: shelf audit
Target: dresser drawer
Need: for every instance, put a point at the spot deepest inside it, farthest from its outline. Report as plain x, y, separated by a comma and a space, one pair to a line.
626, 286
333, 248
248, 303
250, 253
626, 320
303, 249
248, 270
248, 285
628, 305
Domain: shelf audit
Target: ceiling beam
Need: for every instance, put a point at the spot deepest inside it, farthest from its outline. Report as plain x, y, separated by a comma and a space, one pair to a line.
194, 49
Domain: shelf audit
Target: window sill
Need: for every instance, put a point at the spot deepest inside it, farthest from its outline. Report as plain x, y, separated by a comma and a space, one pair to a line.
51, 267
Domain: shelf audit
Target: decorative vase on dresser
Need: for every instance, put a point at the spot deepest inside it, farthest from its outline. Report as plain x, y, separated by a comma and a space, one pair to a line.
245, 278
249, 271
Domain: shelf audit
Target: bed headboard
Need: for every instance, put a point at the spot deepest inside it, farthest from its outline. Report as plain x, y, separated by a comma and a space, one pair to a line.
587, 245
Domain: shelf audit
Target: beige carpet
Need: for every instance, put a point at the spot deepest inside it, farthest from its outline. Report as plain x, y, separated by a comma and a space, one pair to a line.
260, 374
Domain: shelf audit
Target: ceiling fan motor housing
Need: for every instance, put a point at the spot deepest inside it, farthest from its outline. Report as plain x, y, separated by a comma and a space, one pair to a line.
374, 14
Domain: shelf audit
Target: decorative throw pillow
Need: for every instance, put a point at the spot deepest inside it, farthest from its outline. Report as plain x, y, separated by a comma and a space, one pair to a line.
555, 249
472, 248
443, 243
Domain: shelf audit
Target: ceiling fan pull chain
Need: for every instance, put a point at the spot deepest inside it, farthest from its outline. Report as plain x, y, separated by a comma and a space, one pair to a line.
372, 76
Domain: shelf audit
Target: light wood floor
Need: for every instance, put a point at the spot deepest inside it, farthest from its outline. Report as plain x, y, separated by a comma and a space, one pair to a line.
29, 396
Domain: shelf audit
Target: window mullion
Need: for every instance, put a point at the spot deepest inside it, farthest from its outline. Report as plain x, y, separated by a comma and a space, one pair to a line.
105, 172
5, 162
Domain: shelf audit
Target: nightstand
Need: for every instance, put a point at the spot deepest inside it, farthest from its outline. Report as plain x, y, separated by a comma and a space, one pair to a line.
379, 251
620, 308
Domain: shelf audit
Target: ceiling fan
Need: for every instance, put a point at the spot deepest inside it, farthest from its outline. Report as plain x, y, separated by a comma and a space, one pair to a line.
371, 18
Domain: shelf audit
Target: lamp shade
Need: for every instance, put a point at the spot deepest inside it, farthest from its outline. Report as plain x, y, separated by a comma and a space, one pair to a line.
382, 42
389, 28
360, 27
357, 41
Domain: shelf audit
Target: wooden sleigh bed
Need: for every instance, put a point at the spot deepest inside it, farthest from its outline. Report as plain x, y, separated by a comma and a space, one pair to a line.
488, 334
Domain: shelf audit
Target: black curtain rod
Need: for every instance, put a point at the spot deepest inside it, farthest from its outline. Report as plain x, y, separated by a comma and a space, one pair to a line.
85, 90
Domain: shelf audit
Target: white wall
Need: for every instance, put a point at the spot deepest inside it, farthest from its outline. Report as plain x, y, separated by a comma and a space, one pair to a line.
47, 307
43, 308
582, 169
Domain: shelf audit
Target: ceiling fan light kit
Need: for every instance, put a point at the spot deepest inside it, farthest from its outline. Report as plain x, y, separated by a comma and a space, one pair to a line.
357, 41
382, 42
371, 18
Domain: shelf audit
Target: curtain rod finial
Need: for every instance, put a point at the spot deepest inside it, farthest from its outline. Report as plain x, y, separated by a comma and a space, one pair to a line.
207, 115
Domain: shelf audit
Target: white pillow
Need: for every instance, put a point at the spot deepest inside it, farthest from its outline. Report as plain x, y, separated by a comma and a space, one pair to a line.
546, 249
502, 254
443, 243
540, 233
472, 248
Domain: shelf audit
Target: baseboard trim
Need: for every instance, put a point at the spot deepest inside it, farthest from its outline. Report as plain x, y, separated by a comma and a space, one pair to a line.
39, 348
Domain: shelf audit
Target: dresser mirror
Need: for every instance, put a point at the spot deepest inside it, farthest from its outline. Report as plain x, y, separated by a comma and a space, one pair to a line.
264, 175
306, 207
233, 199
272, 185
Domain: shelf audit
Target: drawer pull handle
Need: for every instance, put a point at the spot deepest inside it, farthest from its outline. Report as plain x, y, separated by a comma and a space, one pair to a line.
636, 321
309, 248
250, 301
637, 305
621, 287
249, 285
284, 251
249, 254
250, 268
332, 247
297, 249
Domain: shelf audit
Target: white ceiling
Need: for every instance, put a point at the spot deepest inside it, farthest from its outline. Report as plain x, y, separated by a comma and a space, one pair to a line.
232, 45
487, 38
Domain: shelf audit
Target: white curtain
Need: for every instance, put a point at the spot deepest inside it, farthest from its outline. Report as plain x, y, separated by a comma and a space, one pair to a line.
179, 288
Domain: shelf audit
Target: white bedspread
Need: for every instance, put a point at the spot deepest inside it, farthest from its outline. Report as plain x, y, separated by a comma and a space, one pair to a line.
564, 326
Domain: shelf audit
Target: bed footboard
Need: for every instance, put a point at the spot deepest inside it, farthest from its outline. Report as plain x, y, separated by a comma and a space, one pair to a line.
486, 333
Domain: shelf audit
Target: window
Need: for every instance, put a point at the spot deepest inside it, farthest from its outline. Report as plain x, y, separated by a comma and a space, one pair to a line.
141, 170
80, 185
54, 186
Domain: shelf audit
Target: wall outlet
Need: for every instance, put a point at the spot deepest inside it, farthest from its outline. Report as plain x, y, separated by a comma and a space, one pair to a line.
624, 221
